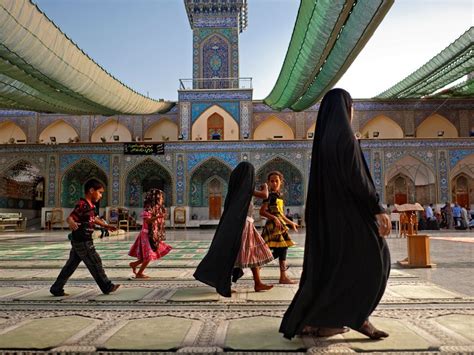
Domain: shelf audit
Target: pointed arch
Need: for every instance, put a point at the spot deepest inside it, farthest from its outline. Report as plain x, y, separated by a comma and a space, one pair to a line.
199, 129
22, 186
435, 123
420, 181
110, 128
462, 186
74, 179
465, 165
273, 128
462, 192
215, 58
163, 130
293, 189
400, 189
10, 132
142, 177
62, 132
382, 127
202, 175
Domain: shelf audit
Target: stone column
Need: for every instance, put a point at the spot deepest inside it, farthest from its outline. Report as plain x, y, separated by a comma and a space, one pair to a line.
464, 127
300, 129
409, 124
86, 129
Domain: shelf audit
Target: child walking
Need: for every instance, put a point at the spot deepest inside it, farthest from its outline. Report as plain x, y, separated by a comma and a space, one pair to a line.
236, 243
275, 232
149, 244
81, 221
254, 252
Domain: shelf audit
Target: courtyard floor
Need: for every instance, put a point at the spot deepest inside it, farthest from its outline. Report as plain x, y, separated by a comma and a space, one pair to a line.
424, 310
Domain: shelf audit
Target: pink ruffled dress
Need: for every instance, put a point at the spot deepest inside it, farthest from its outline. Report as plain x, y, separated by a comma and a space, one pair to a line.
141, 248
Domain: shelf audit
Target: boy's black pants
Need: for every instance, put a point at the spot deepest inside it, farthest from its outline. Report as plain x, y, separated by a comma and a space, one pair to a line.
83, 251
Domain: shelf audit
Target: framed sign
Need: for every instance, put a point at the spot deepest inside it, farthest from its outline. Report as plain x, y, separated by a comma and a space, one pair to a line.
143, 149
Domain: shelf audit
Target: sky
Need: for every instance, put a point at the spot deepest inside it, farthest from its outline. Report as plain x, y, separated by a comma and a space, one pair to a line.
147, 44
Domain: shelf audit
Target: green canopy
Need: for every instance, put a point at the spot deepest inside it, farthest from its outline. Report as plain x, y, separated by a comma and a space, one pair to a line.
464, 89
452, 63
42, 70
327, 37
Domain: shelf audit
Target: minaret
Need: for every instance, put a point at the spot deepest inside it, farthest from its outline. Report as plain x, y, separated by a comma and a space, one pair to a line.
216, 25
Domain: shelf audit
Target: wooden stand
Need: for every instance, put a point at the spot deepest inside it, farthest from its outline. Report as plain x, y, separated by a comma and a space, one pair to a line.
418, 252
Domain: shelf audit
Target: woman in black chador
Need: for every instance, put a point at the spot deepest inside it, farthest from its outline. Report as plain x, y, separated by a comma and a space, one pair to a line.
346, 259
236, 243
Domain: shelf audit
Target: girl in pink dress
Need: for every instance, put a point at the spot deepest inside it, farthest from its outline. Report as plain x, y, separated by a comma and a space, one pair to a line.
149, 244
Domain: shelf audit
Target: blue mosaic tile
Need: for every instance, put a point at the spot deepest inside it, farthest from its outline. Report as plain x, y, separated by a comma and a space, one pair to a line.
230, 158
231, 107
456, 155
102, 160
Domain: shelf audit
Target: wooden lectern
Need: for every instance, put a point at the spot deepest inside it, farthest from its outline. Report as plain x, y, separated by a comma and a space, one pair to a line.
418, 245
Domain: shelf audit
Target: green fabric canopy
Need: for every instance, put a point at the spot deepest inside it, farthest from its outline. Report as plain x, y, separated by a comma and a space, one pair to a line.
42, 70
464, 89
452, 63
327, 37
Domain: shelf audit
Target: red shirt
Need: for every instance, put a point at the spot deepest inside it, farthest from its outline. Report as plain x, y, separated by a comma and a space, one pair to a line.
84, 215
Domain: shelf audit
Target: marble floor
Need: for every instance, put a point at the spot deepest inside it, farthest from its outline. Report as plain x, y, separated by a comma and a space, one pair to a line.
424, 310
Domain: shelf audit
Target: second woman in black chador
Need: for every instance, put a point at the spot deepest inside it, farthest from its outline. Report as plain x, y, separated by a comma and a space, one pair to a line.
346, 259
223, 261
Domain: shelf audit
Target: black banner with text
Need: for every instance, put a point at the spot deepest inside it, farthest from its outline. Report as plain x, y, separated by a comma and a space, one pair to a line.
143, 149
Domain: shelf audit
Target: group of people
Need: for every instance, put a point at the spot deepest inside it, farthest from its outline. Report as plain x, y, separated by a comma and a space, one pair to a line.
449, 217
346, 264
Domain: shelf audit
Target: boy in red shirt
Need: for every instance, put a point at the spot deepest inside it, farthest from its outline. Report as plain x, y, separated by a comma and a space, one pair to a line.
82, 220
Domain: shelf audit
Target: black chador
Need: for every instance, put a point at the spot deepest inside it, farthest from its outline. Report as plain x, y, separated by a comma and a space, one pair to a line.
217, 267
346, 262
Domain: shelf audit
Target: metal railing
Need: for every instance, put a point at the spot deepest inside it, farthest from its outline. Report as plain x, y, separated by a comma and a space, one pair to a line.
215, 83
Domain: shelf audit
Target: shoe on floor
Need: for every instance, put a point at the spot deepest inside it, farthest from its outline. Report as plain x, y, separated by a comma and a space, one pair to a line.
114, 288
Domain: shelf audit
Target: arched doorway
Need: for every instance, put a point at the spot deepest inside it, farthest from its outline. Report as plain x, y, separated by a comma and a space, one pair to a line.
142, 178
215, 198
462, 181
292, 190
461, 190
73, 181
400, 190
208, 188
215, 127
410, 180
22, 187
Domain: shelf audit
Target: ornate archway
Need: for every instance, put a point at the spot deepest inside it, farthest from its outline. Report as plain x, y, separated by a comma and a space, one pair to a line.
208, 186
400, 189
143, 177
292, 188
461, 186
22, 187
462, 181
419, 182
74, 179
215, 127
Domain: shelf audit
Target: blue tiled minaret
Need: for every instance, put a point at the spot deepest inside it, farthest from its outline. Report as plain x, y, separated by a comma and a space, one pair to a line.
216, 25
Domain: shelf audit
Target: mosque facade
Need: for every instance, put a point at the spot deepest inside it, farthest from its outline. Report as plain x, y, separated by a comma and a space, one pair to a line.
417, 150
